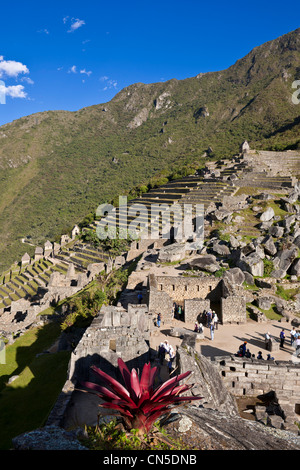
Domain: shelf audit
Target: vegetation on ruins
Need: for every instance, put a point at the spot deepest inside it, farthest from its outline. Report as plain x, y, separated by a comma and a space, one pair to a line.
138, 402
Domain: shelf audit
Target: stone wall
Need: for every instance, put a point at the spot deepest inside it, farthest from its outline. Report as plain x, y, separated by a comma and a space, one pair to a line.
159, 301
207, 291
252, 378
180, 288
194, 308
138, 247
233, 310
114, 333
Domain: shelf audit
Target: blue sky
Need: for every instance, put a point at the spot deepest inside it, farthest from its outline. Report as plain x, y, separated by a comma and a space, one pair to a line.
69, 55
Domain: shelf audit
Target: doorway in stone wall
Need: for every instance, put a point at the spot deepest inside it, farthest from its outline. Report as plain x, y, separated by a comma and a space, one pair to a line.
179, 311
216, 306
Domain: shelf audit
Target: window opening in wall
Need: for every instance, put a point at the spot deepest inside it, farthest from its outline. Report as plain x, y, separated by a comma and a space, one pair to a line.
112, 345
297, 408
185, 288
161, 287
198, 288
233, 384
210, 288
173, 287
233, 369
223, 373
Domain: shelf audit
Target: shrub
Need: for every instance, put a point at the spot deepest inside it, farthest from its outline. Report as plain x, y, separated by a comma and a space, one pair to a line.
138, 403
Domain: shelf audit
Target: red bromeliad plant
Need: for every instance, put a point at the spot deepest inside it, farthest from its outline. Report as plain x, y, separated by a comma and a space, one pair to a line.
139, 404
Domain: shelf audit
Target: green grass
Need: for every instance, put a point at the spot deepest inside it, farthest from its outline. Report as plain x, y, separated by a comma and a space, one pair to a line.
287, 294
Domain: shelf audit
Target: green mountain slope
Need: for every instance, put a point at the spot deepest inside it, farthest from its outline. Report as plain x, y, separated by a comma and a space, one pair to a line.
57, 166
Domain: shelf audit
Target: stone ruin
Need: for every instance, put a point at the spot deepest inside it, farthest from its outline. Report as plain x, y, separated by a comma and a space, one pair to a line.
195, 294
115, 332
23, 312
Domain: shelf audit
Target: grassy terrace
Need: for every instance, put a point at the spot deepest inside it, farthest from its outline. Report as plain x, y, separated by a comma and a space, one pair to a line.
24, 283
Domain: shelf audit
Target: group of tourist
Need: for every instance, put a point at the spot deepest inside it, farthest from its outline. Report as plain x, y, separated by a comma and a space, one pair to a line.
166, 352
177, 311
198, 328
294, 338
211, 317
244, 351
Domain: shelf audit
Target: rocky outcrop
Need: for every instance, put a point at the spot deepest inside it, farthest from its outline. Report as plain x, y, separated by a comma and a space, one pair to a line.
207, 429
207, 380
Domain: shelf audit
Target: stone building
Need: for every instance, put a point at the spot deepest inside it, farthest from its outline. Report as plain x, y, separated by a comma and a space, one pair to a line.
115, 332
195, 294
75, 231
48, 249
38, 253
25, 260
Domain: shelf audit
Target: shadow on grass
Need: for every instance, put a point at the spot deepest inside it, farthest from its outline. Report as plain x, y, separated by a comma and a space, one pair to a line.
26, 403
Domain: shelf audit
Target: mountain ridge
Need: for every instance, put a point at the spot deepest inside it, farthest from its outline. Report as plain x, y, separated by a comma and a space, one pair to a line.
57, 166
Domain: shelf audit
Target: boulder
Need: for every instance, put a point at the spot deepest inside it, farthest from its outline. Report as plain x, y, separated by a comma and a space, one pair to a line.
295, 268
276, 231
269, 246
284, 258
170, 253
235, 276
267, 215
263, 284
48, 438
253, 264
221, 248
205, 263
289, 221
264, 303
221, 214
296, 241
249, 279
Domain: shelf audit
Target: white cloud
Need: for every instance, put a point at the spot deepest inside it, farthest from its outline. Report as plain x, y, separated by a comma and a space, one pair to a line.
16, 91
110, 83
11, 68
75, 24
73, 69
27, 80
88, 73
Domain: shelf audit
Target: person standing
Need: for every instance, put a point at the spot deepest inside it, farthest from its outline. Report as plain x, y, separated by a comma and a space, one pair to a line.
297, 345
282, 338
216, 321
212, 330
158, 320
293, 335
171, 359
209, 317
